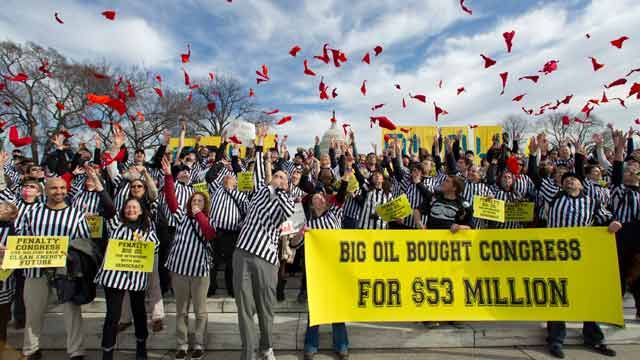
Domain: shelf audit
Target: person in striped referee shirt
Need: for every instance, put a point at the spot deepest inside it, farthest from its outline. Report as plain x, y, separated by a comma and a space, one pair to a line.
625, 196
55, 218
134, 223
255, 260
189, 261
571, 207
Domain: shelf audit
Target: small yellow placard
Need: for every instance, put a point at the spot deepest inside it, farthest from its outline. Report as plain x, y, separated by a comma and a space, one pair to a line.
95, 225
519, 211
25, 252
202, 187
245, 181
352, 186
4, 274
487, 208
129, 255
398, 208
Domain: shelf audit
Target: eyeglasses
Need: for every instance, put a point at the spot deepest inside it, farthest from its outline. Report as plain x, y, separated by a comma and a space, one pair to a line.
137, 186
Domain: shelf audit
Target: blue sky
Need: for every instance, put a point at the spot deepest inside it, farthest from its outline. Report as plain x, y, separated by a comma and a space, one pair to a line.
424, 42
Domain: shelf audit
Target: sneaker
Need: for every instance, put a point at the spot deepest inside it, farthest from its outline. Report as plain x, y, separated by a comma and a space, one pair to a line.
35, 356
309, 355
181, 355
343, 355
197, 354
268, 355
556, 351
603, 349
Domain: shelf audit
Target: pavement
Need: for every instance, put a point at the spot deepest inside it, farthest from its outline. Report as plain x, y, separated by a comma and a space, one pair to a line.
496, 353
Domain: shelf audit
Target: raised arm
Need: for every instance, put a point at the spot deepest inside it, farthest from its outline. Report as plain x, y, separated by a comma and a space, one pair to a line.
108, 209
618, 162
169, 187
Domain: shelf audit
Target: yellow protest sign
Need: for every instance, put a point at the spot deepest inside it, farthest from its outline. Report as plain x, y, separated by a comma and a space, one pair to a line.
25, 252
519, 211
202, 187
560, 274
4, 274
95, 225
398, 208
269, 142
245, 181
488, 209
129, 255
352, 186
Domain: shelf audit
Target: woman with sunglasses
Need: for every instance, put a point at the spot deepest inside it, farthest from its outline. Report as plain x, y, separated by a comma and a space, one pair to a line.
133, 223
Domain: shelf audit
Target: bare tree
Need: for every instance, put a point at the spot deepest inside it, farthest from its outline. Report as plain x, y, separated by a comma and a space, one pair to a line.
231, 101
516, 126
558, 132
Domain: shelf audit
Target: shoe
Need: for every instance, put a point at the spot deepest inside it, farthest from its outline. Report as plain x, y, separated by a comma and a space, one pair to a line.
556, 351
77, 357
268, 355
603, 349
157, 325
280, 290
181, 355
197, 354
35, 356
309, 355
18, 324
343, 355
302, 297
107, 355
124, 326
141, 350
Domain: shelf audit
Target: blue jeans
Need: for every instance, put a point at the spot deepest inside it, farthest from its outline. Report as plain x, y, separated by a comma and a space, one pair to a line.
340, 339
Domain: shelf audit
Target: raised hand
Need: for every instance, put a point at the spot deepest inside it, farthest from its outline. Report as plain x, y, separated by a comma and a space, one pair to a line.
4, 156
166, 167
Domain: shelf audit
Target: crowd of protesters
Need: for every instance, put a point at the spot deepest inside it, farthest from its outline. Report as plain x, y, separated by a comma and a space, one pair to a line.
195, 233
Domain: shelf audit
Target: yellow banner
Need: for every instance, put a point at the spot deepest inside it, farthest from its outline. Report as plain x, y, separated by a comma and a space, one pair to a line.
396, 209
128, 255
25, 252
202, 187
269, 142
95, 225
4, 274
561, 274
488, 209
245, 181
519, 211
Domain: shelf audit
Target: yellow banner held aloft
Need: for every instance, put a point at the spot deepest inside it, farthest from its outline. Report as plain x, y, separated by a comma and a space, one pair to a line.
560, 274
95, 225
521, 211
488, 209
24, 252
245, 181
129, 255
202, 187
398, 208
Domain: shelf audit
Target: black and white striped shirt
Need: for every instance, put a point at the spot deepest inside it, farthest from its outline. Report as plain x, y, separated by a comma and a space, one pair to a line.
88, 201
7, 287
582, 210
183, 193
188, 255
44, 221
625, 200
370, 200
507, 197
268, 209
225, 213
331, 219
126, 280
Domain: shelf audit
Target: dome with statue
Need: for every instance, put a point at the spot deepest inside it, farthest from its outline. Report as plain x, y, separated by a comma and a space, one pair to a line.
335, 132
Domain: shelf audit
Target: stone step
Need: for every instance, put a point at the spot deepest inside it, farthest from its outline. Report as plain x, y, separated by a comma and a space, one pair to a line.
289, 331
